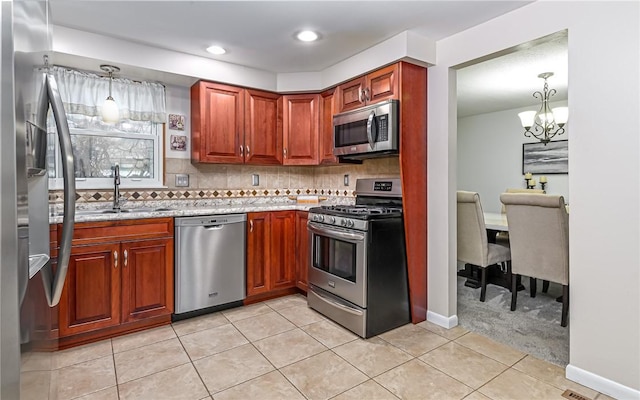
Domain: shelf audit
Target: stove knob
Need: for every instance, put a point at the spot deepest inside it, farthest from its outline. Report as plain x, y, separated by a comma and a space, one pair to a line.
343, 222
332, 220
315, 218
321, 218
349, 223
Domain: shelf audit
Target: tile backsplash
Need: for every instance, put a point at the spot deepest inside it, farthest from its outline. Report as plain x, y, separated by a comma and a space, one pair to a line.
210, 181
206, 176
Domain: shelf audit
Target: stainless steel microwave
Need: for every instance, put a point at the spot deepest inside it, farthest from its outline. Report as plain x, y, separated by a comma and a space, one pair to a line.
370, 131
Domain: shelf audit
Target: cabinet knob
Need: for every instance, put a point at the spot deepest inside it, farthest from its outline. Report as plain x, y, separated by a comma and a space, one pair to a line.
251, 226
366, 94
284, 152
126, 258
241, 150
361, 95
248, 150
115, 259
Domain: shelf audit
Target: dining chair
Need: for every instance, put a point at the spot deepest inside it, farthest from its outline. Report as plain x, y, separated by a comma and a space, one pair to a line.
502, 237
539, 241
473, 246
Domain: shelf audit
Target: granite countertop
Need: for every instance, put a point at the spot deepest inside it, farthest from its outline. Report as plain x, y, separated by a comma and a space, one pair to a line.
181, 208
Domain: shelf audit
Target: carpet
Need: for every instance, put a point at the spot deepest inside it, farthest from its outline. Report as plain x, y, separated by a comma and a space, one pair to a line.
533, 328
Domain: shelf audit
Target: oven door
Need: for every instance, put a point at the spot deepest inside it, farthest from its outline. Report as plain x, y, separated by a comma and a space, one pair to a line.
338, 262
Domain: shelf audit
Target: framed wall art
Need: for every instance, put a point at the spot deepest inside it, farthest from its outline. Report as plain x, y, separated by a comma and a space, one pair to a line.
178, 142
176, 122
552, 158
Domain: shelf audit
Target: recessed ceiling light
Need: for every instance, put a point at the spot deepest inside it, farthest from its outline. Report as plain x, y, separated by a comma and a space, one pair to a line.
216, 50
307, 36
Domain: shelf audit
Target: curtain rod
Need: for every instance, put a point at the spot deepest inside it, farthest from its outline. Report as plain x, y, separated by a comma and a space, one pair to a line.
114, 78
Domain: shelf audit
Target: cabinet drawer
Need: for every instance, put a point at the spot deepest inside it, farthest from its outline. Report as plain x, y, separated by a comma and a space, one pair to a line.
118, 231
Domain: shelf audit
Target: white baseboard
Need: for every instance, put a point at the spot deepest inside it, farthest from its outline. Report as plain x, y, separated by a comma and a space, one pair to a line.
441, 320
601, 384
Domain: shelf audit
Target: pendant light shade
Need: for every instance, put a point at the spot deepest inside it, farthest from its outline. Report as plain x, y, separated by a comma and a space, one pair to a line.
110, 111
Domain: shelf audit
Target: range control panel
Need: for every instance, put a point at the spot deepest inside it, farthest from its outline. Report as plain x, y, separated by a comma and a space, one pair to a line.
383, 186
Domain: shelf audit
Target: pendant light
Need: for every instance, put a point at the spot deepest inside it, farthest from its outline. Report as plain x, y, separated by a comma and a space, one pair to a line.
110, 112
545, 123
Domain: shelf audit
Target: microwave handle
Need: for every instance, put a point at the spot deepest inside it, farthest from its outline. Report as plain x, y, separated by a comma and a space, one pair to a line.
372, 129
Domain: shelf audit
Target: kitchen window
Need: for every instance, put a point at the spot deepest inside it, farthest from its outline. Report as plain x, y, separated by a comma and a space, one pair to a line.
135, 143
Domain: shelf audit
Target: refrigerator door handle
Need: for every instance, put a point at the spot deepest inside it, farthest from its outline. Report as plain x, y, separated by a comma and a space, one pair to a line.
54, 284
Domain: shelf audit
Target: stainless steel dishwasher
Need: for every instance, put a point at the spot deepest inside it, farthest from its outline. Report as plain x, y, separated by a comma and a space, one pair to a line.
209, 261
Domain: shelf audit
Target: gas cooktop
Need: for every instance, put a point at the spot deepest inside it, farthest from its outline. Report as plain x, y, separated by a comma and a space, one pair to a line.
358, 211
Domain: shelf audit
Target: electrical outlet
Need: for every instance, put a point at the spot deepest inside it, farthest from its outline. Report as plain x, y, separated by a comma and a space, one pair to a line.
182, 180
346, 179
255, 179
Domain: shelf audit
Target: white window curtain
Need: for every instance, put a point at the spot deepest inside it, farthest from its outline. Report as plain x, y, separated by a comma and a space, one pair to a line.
84, 92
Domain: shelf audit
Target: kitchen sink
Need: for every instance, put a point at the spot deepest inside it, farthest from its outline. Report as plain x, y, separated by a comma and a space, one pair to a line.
121, 211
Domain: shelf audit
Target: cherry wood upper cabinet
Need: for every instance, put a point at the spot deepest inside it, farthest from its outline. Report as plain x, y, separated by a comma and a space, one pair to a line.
300, 120
262, 134
327, 109
374, 87
217, 123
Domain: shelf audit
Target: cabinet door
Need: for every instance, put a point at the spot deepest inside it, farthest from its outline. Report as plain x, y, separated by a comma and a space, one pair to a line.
147, 278
91, 296
217, 123
351, 94
302, 250
263, 134
382, 84
327, 109
283, 252
258, 253
300, 129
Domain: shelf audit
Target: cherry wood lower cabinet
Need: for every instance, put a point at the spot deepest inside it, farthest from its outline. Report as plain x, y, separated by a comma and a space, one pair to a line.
120, 279
270, 252
302, 251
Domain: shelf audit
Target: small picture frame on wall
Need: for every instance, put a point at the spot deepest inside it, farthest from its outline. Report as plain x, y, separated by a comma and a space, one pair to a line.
176, 122
552, 158
178, 142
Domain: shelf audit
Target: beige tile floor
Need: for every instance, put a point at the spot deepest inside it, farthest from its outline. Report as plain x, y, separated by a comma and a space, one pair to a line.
281, 349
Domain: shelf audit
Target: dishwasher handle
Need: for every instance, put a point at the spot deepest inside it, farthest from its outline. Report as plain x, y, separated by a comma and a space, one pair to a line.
213, 227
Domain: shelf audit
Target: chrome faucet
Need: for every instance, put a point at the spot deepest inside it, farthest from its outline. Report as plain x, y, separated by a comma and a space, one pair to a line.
116, 187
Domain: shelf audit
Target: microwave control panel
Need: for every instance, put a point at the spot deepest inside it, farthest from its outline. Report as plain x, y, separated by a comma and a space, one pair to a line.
383, 128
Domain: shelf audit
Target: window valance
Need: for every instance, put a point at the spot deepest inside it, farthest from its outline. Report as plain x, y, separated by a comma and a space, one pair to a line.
84, 92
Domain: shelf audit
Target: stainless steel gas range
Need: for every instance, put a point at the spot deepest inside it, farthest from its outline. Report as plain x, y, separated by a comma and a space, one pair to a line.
358, 270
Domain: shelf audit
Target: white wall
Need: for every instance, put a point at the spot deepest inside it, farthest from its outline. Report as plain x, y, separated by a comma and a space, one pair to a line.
178, 101
604, 53
489, 157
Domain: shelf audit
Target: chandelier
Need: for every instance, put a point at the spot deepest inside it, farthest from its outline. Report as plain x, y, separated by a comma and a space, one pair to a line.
545, 123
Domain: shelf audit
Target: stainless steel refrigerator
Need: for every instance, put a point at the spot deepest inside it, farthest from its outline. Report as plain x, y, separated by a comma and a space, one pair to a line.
30, 280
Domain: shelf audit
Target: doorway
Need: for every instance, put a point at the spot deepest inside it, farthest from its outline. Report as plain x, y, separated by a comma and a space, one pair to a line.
491, 92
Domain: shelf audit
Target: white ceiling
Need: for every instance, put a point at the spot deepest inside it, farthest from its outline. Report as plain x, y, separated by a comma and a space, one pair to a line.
508, 81
260, 34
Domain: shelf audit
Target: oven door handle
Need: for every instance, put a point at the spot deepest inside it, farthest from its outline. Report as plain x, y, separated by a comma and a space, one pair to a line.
343, 307
318, 230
